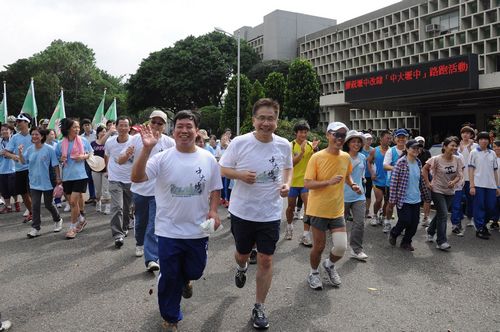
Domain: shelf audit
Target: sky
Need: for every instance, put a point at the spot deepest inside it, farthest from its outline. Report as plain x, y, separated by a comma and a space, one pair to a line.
123, 32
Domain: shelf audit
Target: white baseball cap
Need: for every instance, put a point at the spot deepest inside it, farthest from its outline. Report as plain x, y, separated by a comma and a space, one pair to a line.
367, 135
159, 114
334, 126
420, 139
355, 134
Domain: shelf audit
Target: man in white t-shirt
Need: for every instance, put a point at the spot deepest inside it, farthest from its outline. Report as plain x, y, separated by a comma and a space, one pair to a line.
188, 192
119, 180
261, 163
143, 194
390, 158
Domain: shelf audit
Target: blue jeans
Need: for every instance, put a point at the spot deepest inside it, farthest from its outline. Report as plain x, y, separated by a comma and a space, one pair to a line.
438, 223
469, 201
408, 219
145, 212
485, 207
457, 213
181, 260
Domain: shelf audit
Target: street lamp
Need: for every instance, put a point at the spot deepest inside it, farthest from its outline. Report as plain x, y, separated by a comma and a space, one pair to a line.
238, 77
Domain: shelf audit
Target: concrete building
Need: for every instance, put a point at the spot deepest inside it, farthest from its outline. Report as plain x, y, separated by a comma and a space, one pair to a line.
406, 35
276, 38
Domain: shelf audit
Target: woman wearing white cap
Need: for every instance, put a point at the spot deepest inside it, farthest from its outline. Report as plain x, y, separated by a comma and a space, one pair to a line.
355, 203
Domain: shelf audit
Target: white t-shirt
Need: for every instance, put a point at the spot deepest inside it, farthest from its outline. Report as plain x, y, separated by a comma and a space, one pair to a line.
260, 201
485, 165
113, 150
147, 188
388, 158
460, 184
184, 182
465, 151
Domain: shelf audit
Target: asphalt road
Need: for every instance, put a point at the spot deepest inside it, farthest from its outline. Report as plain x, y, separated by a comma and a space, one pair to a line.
53, 284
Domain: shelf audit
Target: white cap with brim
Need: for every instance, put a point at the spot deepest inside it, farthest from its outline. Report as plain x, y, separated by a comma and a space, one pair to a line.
159, 114
334, 126
367, 135
420, 139
355, 134
96, 163
23, 117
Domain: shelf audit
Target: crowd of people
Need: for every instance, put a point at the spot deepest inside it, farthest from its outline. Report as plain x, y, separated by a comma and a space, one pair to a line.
165, 188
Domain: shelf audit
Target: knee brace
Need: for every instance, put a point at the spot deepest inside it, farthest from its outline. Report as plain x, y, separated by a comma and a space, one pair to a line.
339, 240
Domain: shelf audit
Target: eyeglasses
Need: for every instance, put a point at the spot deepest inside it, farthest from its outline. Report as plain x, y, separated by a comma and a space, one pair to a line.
158, 123
338, 135
262, 118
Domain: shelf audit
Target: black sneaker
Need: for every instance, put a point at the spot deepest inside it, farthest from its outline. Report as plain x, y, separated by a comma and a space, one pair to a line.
259, 318
482, 234
187, 290
253, 257
118, 242
240, 278
486, 231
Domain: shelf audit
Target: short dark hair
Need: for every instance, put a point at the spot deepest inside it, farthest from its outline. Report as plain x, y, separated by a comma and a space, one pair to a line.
42, 132
86, 121
122, 118
301, 125
110, 121
99, 129
385, 132
483, 135
266, 102
497, 142
448, 140
8, 126
186, 114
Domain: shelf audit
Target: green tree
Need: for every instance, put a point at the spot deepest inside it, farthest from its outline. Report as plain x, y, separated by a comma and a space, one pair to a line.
303, 92
228, 116
274, 88
210, 119
261, 70
256, 93
191, 74
70, 65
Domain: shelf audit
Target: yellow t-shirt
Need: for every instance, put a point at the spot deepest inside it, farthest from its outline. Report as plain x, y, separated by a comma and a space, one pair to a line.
300, 169
327, 202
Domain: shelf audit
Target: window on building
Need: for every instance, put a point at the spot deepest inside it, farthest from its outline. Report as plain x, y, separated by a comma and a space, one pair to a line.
448, 22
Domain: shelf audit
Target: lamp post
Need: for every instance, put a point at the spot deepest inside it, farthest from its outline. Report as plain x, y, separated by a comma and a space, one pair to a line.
238, 78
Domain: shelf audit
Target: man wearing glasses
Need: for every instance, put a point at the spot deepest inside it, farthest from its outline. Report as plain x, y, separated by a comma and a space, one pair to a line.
143, 193
261, 164
326, 173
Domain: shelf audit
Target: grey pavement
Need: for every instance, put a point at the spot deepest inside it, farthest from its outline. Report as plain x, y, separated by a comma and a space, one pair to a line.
53, 284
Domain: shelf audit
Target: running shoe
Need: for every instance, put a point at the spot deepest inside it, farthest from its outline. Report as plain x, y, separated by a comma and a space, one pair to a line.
81, 224
443, 246
67, 207
6, 325
139, 251
429, 238
187, 290
374, 222
387, 227
27, 218
58, 225
71, 234
26, 212
289, 233
240, 278
152, 265
470, 222
332, 274
482, 234
33, 233
457, 230
305, 240
119, 244
98, 206
360, 256
314, 281
259, 318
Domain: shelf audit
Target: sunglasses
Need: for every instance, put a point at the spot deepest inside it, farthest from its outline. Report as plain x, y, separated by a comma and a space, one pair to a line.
158, 123
338, 135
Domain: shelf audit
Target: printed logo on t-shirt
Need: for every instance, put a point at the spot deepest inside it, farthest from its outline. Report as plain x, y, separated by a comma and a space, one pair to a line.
194, 189
449, 170
269, 175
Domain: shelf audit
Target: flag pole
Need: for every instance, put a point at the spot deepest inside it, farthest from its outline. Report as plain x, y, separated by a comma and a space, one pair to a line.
34, 100
5, 100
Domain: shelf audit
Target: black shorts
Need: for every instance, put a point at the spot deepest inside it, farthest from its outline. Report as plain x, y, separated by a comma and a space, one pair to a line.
247, 233
385, 190
368, 188
8, 185
22, 182
75, 186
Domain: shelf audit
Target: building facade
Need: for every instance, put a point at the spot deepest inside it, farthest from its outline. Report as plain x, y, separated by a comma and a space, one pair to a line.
410, 32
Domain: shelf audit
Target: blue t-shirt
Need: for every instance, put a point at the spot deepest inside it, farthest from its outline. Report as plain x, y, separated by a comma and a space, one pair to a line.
6, 165
358, 169
210, 149
379, 164
39, 163
366, 154
72, 169
14, 143
413, 190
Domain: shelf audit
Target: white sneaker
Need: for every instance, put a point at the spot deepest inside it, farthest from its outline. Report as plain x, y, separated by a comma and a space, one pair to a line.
33, 233
332, 274
387, 226
139, 251
58, 225
429, 238
26, 213
153, 266
443, 246
314, 281
305, 240
58, 205
107, 208
301, 215
289, 232
295, 215
374, 222
470, 222
67, 207
6, 324
98, 206
361, 256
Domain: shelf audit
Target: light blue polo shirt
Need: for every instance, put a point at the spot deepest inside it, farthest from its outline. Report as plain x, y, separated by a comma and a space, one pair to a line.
39, 162
413, 190
13, 145
6, 165
73, 170
358, 169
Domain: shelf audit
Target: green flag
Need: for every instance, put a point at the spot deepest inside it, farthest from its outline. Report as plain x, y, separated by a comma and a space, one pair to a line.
99, 113
3, 105
29, 105
111, 112
58, 114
